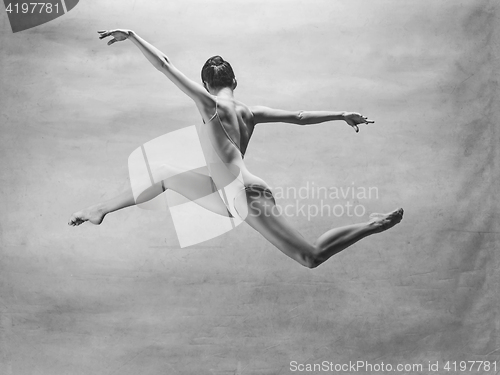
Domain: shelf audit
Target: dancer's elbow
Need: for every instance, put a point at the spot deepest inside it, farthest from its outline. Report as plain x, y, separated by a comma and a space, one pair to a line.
300, 118
163, 64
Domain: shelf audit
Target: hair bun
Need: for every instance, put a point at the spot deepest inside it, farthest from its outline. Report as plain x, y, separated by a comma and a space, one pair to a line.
217, 61
218, 73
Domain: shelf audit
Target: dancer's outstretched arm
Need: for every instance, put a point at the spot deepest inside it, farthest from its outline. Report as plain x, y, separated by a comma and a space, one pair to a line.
264, 114
162, 63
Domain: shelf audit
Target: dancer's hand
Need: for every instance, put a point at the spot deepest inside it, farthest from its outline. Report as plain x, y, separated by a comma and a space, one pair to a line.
354, 119
118, 35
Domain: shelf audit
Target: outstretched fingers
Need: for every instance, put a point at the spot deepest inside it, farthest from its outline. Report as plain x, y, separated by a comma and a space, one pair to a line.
355, 119
117, 35
104, 33
366, 120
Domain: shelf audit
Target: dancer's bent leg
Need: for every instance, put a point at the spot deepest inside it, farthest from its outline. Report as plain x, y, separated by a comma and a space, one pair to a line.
264, 217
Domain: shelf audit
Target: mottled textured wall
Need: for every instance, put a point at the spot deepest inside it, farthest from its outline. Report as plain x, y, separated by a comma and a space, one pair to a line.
122, 298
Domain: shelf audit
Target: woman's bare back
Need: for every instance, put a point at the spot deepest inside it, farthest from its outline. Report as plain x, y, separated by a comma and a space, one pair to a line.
237, 120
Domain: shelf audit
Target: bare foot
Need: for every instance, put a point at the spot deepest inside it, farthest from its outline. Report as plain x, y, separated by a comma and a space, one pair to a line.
94, 214
382, 222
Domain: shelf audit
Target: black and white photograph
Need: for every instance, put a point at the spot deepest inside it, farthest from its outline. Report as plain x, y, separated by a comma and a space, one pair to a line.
249, 187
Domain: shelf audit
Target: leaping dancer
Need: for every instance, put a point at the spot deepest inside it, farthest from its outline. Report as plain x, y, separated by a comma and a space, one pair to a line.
228, 126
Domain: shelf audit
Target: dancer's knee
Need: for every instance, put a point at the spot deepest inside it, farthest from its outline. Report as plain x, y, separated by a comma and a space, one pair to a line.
309, 260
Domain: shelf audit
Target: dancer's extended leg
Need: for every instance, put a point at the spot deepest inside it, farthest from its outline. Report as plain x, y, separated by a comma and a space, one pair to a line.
264, 217
195, 186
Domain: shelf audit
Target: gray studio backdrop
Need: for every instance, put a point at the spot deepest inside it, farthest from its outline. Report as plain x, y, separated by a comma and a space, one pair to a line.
123, 298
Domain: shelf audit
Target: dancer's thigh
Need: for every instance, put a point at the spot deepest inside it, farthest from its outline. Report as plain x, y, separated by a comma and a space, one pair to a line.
197, 187
265, 217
